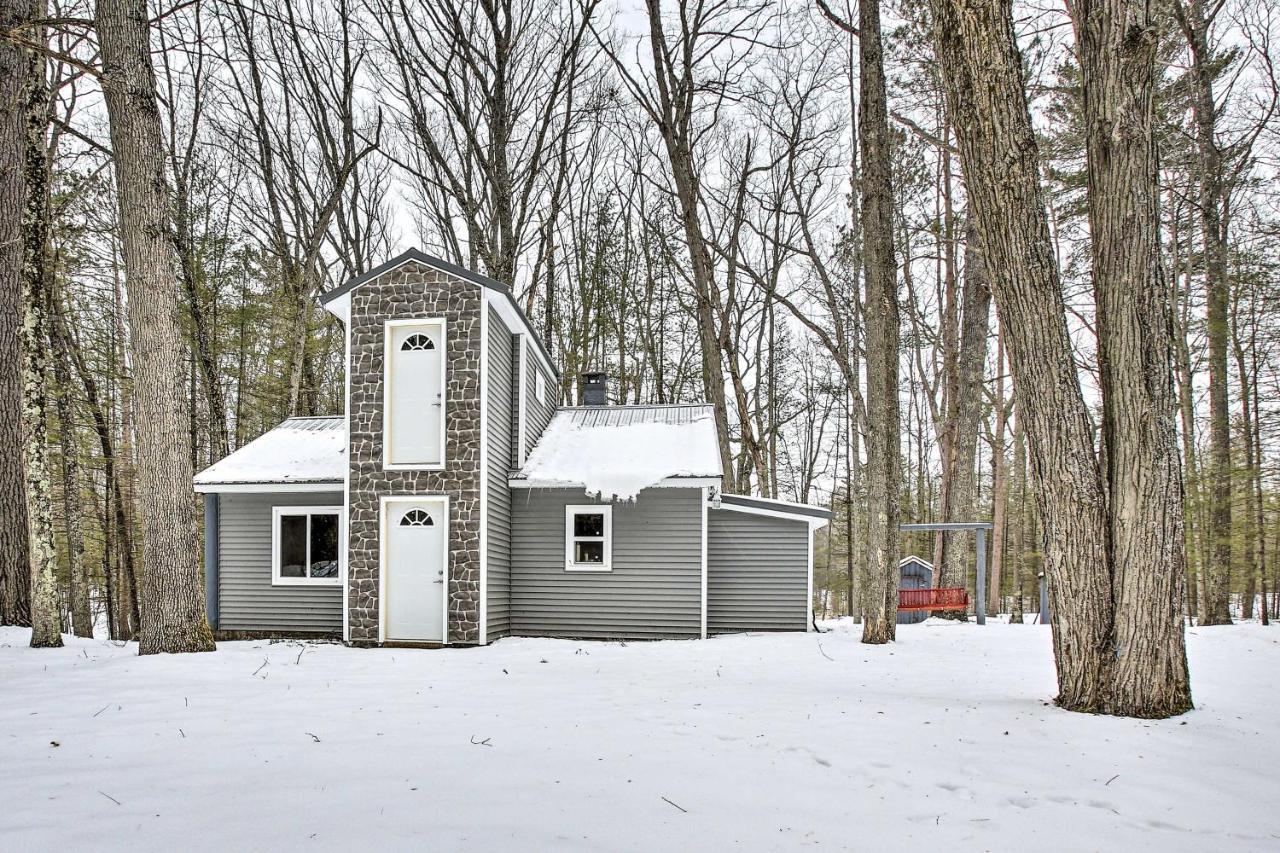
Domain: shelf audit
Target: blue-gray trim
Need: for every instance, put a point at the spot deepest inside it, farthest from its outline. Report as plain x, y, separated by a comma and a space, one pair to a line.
211, 558
772, 506
453, 269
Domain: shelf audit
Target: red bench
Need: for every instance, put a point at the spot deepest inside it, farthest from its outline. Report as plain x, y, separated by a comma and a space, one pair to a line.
945, 598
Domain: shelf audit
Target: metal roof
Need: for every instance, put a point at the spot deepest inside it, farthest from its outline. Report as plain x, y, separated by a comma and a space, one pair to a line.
606, 416
300, 450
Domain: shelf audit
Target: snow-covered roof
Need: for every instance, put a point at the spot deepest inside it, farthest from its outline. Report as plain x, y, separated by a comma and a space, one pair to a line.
615, 451
300, 450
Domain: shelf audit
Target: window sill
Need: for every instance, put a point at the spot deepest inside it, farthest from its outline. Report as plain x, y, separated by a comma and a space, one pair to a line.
571, 567
306, 582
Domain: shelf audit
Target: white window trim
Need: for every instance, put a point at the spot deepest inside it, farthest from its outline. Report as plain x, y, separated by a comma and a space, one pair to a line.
594, 509
387, 326
540, 388
278, 512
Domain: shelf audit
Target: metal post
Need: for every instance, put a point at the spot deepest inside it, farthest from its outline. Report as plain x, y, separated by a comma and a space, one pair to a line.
980, 606
1044, 599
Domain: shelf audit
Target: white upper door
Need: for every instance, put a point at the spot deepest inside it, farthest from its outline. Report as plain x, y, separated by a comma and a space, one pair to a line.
415, 394
413, 572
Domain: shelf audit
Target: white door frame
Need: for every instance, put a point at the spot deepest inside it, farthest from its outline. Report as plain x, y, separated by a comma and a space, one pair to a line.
383, 501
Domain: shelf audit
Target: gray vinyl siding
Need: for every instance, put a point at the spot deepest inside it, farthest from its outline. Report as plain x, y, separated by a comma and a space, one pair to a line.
246, 599
757, 572
537, 414
500, 446
654, 589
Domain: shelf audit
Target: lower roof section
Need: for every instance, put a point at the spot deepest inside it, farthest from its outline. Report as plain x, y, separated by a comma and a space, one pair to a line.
301, 454
816, 516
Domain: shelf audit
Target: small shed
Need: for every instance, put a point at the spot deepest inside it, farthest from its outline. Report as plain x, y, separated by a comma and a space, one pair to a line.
914, 573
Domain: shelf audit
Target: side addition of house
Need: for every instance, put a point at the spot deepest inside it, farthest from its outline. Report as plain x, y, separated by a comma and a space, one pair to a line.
458, 502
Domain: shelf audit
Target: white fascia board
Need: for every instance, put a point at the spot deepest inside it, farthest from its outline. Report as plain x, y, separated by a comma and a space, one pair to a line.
668, 483
780, 512
506, 308
220, 488
782, 504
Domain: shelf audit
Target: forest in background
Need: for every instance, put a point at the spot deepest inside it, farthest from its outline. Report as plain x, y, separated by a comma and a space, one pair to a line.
686, 219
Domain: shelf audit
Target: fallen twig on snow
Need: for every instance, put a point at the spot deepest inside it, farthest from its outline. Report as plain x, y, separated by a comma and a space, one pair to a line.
111, 798
677, 805
484, 742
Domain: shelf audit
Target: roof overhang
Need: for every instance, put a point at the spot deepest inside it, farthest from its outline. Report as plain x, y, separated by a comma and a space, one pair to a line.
290, 486
338, 300
666, 483
815, 516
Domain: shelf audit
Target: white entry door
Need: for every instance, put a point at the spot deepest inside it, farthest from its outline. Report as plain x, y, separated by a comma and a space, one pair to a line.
414, 576
414, 404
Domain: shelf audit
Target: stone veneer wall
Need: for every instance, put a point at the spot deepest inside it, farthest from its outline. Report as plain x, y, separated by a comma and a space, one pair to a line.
412, 291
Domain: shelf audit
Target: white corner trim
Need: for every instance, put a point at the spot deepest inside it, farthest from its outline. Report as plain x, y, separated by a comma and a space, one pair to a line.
483, 628
346, 475
522, 405
570, 511
706, 494
383, 500
808, 610
277, 513
387, 326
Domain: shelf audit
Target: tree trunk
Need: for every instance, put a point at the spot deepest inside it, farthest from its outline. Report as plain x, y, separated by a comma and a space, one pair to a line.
999, 486
1020, 531
1117, 47
958, 554
880, 569
77, 572
15, 563
982, 73
173, 616
1215, 606
46, 610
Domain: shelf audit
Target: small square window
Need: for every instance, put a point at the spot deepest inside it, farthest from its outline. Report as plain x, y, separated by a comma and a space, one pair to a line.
539, 387
306, 545
588, 534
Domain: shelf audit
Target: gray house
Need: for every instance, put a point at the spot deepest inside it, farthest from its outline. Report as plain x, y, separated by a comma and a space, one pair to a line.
457, 502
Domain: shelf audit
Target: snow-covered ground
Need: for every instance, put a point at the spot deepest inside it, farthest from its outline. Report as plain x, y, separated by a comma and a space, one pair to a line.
945, 740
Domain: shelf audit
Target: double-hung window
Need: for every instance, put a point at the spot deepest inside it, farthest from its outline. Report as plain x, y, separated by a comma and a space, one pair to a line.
306, 545
588, 538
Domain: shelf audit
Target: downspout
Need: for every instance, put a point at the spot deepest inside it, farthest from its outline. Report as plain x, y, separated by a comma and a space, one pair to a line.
211, 557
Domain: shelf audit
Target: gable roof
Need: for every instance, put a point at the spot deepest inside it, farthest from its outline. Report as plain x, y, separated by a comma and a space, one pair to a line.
420, 257
300, 450
615, 451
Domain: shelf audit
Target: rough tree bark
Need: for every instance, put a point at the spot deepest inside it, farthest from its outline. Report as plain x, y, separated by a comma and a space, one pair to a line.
1117, 46
880, 568
173, 616
982, 74
1117, 638
15, 565
46, 612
